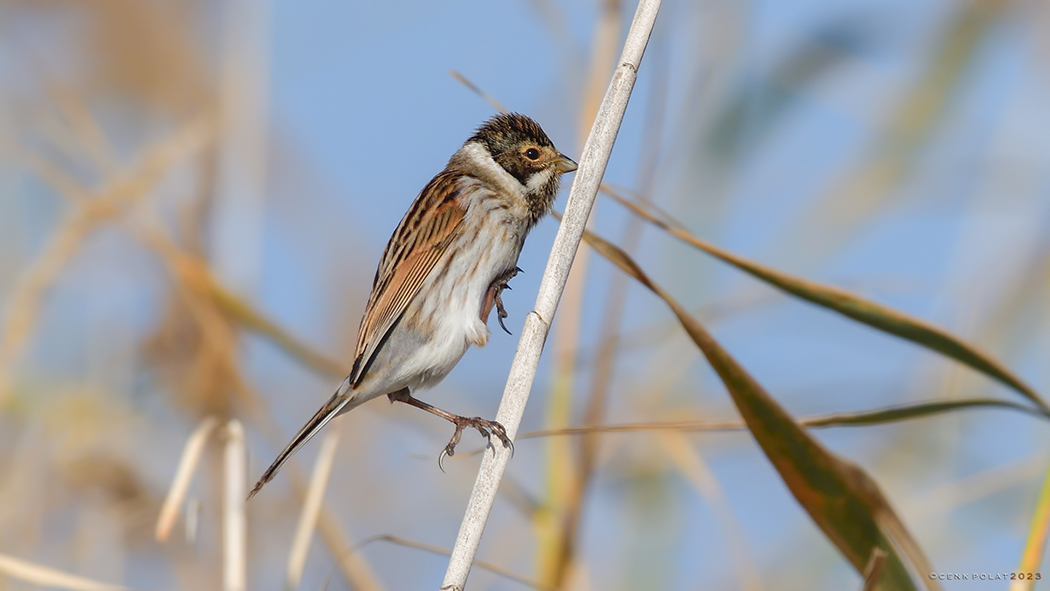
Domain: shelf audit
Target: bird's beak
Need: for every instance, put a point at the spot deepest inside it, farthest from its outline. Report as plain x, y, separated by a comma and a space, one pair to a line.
564, 164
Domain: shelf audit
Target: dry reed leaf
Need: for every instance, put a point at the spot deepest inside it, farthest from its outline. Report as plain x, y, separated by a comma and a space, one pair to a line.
49, 577
355, 569
247, 316
855, 307
881, 416
191, 454
311, 509
873, 572
839, 496
194, 273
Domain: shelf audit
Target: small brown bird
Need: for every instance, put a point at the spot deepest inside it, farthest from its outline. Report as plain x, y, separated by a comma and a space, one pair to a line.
443, 270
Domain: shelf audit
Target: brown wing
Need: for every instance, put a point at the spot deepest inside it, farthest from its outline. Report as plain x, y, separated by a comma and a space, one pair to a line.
421, 239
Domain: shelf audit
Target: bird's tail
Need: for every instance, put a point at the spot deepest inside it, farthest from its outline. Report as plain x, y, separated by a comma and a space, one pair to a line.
337, 404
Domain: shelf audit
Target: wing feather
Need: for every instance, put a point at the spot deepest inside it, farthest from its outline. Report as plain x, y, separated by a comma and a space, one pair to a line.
419, 242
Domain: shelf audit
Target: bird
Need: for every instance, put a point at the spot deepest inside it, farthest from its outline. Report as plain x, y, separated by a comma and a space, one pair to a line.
442, 272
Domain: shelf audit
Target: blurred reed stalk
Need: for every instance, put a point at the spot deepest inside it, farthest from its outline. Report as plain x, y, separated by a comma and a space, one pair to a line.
562, 552
49, 577
311, 508
593, 160
191, 455
234, 523
562, 484
692, 466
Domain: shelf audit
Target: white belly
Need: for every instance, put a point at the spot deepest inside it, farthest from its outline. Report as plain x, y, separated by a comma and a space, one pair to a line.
451, 300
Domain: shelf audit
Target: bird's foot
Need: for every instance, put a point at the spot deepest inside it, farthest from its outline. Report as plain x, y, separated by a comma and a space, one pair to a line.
486, 427
501, 283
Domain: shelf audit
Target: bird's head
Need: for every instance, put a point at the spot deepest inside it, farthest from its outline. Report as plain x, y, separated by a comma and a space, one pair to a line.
518, 145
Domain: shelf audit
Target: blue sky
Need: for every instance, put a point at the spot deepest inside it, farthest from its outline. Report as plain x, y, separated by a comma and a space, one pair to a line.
755, 153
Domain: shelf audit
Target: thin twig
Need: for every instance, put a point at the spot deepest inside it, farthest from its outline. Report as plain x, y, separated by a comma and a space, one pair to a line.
593, 161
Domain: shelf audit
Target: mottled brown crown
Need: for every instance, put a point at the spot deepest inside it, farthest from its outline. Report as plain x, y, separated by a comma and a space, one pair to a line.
508, 131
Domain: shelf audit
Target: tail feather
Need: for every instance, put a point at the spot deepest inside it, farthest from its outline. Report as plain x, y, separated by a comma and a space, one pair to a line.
335, 406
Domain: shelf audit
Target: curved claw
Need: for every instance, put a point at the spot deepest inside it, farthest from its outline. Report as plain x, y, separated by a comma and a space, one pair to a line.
444, 453
499, 318
501, 433
450, 449
485, 427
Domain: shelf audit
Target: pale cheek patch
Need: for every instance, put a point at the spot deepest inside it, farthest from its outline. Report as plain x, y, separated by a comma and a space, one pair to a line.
479, 156
539, 180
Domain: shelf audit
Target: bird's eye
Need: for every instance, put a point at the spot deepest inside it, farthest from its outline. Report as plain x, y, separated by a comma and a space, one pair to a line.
532, 154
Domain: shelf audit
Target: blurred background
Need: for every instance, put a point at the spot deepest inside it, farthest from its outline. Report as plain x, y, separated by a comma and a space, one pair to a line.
194, 196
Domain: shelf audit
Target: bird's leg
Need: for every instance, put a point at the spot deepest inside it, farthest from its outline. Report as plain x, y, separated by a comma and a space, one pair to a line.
497, 287
484, 426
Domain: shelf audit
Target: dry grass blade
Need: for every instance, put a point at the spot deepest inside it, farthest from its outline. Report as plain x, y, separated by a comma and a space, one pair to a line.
196, 275
947, 497
49, 577
882, 416
311, 509
852, 306
914, 411
1035, 547
692, 466
358, 573
191, 455
234, 524
250, 318
492, 568
840, 497
28, 293
477, 90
